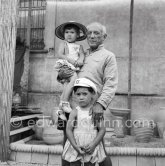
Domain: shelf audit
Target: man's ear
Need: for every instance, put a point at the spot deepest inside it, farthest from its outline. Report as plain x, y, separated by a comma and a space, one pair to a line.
105, 36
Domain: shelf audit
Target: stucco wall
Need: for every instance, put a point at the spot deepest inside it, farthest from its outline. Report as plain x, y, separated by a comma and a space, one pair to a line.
148, 50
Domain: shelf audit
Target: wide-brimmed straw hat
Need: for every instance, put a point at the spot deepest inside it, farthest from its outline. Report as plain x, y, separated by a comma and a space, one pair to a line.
84, 82
59, 31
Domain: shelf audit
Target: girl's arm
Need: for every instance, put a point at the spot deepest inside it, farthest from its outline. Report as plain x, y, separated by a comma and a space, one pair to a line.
61, 53
69, 131
81, 58
91, 147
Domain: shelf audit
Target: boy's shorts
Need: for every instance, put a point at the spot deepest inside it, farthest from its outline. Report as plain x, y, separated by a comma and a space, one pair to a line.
61, 124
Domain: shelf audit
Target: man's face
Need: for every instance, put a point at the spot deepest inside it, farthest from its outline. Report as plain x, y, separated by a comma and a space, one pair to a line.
95, 37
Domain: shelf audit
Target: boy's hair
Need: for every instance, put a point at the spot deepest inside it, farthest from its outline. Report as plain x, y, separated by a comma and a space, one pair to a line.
70, 26
89, 89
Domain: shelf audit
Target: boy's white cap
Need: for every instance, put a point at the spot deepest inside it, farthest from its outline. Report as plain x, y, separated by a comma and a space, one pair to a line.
84, 82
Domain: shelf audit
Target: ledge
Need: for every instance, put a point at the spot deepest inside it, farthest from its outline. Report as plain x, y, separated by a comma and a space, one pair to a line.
119, 151
38, 51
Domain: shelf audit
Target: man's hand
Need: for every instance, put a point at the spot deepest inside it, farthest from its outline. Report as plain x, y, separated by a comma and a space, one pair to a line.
97, 112
80, 63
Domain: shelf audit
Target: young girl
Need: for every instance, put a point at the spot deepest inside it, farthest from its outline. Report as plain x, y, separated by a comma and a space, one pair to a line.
71, 57
84, 138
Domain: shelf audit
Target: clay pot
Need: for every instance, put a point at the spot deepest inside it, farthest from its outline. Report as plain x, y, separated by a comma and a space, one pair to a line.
160, 115
53, 136
109, 135
143, 130
16, 99
118, 126
160, 120
41, 123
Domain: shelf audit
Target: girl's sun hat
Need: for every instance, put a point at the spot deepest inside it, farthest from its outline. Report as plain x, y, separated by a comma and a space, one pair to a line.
59, 31
84, 82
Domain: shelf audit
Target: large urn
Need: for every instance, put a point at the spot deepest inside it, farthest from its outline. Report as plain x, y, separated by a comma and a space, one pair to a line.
51, 135
41, 123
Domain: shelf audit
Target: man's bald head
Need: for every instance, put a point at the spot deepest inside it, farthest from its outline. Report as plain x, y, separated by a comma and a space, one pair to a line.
101, 27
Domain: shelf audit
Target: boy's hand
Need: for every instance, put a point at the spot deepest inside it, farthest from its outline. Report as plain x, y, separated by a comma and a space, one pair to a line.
80, 150
90, 148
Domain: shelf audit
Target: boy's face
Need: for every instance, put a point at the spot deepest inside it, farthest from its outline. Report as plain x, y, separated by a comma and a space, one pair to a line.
84, 97
70, 35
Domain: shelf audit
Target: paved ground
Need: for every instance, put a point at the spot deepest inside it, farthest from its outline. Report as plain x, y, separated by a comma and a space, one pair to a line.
21, 164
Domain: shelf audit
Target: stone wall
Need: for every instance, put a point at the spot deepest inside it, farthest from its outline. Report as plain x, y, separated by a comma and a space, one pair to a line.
148, 51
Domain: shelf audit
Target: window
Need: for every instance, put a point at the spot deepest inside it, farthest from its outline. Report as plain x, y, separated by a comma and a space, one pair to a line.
37, 10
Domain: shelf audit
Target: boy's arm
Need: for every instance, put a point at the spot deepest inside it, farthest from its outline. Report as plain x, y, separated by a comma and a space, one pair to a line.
70, 127
100, 135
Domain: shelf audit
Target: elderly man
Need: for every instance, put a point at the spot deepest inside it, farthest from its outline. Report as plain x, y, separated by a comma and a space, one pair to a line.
101, 68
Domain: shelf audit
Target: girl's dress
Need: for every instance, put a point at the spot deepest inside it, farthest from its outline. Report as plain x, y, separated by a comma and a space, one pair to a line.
64, 68
84, 133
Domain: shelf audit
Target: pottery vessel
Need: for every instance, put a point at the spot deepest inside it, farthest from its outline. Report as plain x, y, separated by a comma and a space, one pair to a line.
16, 99
143, 130
121, 115
41, 123
109, 135
52, 136
160, 115
160, 121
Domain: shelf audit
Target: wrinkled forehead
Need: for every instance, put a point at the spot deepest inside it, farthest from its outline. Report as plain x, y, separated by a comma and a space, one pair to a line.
95, 27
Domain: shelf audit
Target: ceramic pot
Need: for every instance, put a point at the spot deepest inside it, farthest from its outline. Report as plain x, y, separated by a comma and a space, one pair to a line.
118, 126
109, 135
160, 121
143, 130
16, 99
160, 115
52, 136
120, 114
41, 123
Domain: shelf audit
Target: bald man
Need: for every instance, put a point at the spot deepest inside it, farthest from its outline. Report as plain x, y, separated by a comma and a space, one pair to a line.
101, 68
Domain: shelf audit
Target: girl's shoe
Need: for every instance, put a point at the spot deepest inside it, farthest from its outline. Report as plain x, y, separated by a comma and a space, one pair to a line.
61, 115
65, 106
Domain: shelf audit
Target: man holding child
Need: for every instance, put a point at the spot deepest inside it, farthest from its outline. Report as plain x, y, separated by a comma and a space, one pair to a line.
100, 67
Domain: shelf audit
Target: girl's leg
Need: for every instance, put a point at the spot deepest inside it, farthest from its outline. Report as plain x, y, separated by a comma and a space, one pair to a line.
76, 163
64, 162
65, 105
69, 88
